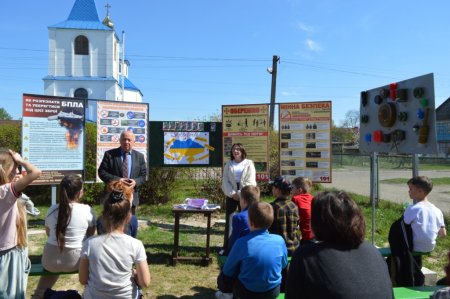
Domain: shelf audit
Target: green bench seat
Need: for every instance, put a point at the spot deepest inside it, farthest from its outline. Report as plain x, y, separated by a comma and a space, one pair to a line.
386, 252
221, 259
415, 292
423, 292
38, 270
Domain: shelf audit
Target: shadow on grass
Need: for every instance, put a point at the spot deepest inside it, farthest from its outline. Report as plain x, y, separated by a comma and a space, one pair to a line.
201, 292
190, 229
161, 254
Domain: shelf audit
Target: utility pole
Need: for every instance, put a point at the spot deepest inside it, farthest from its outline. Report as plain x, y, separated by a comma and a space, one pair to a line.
273, 71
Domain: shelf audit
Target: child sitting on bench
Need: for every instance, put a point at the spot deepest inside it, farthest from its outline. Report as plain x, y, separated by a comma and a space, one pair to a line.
253, 267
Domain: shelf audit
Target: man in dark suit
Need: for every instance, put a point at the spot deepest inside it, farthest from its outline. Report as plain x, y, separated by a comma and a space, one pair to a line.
124, 164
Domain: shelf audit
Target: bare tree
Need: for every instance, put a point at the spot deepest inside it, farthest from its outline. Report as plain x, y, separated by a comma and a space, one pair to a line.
351, 119
351, 123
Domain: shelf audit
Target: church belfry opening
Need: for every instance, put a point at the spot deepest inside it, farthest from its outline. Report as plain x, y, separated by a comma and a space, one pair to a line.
81, 93
81, 45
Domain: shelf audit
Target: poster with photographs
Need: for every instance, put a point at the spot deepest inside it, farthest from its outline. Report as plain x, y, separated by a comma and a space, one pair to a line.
53, 136
305, 140
249, 125
115, 117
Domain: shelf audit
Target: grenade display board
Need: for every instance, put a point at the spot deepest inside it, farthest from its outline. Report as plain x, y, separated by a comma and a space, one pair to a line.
399, 117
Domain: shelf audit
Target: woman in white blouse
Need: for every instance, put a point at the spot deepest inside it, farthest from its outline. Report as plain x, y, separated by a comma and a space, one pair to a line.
238, 172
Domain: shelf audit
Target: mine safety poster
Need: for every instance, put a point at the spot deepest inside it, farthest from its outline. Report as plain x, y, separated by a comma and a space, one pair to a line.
53, 136
249, 125
115, 117
305, 140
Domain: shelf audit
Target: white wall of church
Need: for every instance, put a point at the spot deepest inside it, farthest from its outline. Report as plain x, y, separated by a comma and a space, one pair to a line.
99, 63
129, 95
102, 90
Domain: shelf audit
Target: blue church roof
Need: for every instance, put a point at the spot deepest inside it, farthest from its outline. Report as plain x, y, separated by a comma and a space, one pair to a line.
128, 84
83, 16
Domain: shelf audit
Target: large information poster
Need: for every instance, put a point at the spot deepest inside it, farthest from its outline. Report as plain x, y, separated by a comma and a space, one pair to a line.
115, 117
249, 125
53, 136
305, 140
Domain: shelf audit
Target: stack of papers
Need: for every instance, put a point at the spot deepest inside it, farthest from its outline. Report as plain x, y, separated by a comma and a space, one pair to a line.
197, 203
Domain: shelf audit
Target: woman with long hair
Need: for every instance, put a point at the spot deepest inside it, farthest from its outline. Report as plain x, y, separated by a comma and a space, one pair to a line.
67, 224
107, 260
238, 172
14, 262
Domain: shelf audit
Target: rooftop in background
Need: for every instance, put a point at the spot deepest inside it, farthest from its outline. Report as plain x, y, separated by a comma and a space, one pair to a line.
83, 16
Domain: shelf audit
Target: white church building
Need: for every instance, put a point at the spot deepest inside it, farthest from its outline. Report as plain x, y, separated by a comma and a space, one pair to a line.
85, 58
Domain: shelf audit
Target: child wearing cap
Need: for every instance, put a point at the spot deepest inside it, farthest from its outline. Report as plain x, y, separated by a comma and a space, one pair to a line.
286, 219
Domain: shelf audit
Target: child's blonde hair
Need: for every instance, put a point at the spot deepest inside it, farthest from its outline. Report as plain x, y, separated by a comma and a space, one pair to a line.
302, 183
6, 162
22, 240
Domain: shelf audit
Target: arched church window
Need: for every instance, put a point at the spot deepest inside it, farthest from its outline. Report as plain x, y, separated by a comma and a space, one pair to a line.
81, 93
81, 45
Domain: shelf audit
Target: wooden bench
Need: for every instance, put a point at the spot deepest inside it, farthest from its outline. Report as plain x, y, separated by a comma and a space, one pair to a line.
415, 292
38, 270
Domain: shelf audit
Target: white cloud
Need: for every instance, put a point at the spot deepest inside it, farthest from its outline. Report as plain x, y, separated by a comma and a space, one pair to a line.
305, 28
312, 45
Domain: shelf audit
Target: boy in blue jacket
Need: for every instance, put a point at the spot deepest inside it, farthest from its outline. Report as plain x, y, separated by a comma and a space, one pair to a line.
239, 223
253, 267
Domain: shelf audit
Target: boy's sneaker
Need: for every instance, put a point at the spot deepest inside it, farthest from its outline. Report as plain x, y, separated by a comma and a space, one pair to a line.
220, 295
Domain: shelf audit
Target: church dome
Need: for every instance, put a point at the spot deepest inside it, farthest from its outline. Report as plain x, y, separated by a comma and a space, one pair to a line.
108, 22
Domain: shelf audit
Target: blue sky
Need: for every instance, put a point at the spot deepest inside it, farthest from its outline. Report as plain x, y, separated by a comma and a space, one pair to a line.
190, 57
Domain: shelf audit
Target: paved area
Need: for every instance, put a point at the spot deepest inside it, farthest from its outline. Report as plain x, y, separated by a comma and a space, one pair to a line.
357, 180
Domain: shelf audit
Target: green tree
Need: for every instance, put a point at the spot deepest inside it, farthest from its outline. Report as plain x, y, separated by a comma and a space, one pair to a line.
11, 137
91, 151
4, 115
340, 134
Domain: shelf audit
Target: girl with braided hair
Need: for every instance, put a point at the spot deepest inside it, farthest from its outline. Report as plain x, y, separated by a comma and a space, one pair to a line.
114, 265
67, 224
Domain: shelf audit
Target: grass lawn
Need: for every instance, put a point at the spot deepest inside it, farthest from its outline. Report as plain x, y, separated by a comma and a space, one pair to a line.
190, 280
436, 181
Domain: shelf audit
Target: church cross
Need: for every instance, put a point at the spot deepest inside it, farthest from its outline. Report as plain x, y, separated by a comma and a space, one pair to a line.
107, 8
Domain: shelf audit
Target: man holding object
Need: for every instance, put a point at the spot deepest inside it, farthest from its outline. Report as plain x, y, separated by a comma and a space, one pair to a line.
124, 164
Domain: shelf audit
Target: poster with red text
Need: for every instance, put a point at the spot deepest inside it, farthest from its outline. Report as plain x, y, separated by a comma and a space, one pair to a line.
249, 125
305, 140
53, 136
115, 117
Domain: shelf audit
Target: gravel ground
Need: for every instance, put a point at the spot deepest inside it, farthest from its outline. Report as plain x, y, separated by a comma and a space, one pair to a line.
357, 180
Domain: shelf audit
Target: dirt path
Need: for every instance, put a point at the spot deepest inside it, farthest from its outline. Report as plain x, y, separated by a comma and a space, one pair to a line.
357, 180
